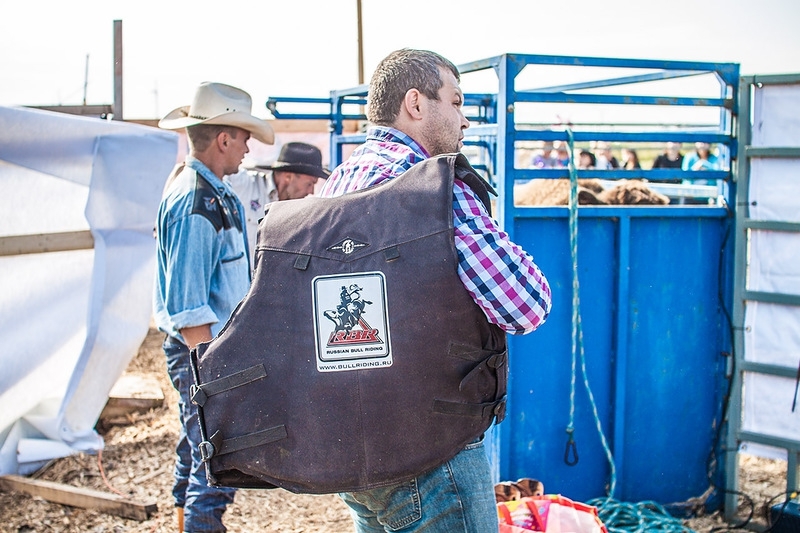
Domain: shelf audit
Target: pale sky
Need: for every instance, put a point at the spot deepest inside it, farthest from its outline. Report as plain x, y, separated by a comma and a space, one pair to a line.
309, 47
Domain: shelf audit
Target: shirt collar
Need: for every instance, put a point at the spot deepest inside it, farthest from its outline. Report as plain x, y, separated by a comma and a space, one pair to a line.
389, 134
200, 167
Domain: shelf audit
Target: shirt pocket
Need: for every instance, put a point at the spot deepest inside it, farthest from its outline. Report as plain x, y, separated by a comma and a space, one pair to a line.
237, 257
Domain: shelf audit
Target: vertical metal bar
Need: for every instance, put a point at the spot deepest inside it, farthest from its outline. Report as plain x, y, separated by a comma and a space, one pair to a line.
507, 71
505, 133
117, 70
792, 472
621, 360
335, 148
741, 177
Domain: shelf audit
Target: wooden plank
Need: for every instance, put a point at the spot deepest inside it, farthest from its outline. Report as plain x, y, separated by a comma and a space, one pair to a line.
46, 242
133, 393
116, 408
79, 497
83, 110
283, 125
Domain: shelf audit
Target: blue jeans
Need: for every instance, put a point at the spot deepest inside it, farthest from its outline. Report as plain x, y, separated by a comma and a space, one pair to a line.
203, 505
457, 496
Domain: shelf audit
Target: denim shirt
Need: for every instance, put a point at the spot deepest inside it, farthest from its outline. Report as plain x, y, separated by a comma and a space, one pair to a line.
203, 261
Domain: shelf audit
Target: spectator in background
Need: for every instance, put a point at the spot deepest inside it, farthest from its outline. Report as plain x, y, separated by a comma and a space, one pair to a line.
700, 159
587, 160
544, 157
630, 160
605, 159
561, 156
294, 175
671, 158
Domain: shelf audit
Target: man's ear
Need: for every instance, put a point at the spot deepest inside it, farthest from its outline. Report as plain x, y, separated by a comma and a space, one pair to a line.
223, 138
280, 178
412, 103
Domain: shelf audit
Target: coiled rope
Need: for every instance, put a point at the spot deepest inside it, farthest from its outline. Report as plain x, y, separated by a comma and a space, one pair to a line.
621, 517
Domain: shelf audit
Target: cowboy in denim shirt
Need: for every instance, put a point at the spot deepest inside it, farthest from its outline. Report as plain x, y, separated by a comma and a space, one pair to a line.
203, 268
200, 278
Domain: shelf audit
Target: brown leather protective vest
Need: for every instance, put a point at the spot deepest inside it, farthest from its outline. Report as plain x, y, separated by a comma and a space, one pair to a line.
357, 359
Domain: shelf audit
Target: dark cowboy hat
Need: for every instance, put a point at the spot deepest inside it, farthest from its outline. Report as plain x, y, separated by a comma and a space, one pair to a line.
301, 158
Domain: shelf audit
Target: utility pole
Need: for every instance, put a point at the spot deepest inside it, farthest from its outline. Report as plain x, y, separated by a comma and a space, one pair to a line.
360, 44
117, 70
155, 99
85, 79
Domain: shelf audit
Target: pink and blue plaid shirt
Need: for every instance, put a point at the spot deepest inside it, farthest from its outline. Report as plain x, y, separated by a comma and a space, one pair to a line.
499, 275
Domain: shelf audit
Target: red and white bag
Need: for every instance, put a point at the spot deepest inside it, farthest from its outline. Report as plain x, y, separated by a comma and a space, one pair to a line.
551, 513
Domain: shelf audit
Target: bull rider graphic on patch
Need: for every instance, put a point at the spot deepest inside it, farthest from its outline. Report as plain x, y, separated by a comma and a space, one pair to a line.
351, 322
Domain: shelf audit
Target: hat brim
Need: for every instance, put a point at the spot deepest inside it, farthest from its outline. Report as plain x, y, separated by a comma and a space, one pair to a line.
179, 118
311, 170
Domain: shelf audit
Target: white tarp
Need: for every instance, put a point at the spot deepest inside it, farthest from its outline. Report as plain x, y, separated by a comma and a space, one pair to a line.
772, 331
71, 321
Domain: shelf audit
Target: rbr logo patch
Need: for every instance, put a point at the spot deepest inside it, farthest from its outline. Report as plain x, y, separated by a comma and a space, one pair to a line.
351, 322
347, 246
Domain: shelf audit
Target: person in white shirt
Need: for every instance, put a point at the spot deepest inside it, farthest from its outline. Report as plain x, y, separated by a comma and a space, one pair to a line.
293, 175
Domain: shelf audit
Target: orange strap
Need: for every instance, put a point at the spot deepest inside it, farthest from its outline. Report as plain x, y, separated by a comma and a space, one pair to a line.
538, 523
506, 514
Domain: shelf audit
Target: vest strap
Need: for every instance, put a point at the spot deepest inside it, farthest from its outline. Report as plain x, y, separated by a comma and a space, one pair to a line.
497, 408
201, 393
492, 363
216, 445
469, 353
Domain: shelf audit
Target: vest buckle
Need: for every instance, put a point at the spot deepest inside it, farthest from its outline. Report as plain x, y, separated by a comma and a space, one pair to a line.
198, 395
207, 450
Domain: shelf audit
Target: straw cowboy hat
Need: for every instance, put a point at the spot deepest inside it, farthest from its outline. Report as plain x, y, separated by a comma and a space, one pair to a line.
217, 103
298, 157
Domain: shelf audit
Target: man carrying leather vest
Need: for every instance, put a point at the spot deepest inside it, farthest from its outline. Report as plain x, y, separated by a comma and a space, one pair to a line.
415, 106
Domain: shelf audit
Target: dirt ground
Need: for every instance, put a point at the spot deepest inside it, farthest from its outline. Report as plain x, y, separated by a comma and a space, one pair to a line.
138, 458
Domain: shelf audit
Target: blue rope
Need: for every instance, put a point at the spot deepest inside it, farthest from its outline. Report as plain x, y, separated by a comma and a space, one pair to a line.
618, 517
577, 330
